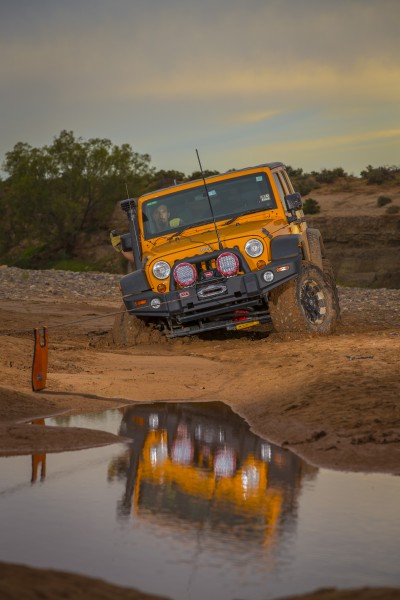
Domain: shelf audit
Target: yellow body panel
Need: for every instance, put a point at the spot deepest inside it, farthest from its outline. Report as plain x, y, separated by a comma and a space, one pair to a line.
200, 239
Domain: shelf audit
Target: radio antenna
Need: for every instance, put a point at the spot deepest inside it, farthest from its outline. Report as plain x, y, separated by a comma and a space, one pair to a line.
209, 201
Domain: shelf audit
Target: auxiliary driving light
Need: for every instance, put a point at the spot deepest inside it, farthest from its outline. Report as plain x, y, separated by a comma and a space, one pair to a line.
155, 303
227, 264
185, 274
268, 276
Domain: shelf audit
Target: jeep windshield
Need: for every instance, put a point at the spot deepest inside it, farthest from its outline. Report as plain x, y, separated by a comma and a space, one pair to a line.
229, 198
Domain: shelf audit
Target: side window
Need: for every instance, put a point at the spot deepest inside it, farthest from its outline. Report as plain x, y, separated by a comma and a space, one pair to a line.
281, 189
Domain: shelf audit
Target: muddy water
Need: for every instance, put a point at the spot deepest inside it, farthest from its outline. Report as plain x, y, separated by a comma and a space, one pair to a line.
195, 504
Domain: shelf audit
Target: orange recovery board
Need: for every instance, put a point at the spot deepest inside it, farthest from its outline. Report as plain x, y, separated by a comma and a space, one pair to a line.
40, 358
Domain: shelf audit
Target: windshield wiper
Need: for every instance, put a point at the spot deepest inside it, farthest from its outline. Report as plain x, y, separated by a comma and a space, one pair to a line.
154, 240
245, 212
176, 233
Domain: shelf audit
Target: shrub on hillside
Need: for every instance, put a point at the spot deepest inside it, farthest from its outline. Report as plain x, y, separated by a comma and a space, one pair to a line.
392, 210
329, 175
311, 207
380, 175
383, 200
302, 182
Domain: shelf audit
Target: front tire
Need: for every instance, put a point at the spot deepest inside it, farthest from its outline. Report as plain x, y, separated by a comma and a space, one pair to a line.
305, 304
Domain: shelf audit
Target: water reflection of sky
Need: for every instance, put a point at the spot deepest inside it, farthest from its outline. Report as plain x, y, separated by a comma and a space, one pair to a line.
196, 504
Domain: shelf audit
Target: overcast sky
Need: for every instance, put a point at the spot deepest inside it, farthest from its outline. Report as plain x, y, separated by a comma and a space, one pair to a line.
312, 83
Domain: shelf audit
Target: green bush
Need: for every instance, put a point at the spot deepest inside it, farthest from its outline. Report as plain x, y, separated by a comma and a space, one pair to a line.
392, 210
303, 183
383, 200
329, 175
305, 186
28, 258
379, 175
72, 264
311, 207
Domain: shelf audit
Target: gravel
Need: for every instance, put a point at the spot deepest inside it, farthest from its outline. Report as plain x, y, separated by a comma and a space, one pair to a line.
29, 284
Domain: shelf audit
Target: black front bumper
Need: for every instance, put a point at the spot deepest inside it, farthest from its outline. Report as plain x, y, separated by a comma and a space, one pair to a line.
210, 300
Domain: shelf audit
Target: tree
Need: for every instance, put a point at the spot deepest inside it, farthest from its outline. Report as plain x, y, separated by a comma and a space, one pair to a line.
329, 175
163, 179
302, 182
380, 175
55, 193
199, 175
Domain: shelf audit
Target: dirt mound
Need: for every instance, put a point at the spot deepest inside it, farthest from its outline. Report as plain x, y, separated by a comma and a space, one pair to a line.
18, 581
17, 405
128, 330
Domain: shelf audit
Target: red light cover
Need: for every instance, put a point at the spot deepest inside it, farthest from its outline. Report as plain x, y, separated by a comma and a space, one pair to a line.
185, 274
227, 264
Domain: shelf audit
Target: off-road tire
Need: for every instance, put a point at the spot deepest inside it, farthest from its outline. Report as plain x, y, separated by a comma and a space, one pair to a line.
315, 245
305, 304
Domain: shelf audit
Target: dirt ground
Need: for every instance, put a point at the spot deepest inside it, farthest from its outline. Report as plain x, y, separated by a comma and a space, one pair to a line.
332, 400
24, 583
354, 198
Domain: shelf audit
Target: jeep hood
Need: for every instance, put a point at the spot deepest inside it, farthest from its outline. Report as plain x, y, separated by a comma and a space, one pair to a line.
204, 239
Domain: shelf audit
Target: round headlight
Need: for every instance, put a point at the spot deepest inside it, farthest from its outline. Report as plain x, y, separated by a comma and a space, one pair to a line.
161, 269
185, 274
254, 248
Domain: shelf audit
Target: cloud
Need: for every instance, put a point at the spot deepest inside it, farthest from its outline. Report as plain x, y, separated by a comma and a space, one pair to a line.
152, 71
327, 151
253, 117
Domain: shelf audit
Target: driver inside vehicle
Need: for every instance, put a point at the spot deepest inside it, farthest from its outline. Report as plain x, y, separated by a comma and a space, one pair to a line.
162, 220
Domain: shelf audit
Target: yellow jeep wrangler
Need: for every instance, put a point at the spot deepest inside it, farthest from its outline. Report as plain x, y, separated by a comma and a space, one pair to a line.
227, 252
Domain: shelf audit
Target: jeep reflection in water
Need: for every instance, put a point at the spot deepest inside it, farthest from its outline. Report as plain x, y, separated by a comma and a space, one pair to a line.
228, 252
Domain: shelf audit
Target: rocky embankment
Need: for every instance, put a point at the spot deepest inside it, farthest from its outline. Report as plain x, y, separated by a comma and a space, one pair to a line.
364, 250
23, 284
378, 306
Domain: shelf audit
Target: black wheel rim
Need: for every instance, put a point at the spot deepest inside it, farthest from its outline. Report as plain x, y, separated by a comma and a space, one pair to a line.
312, 299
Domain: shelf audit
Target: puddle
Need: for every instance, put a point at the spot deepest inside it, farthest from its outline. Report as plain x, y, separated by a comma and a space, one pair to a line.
196, 504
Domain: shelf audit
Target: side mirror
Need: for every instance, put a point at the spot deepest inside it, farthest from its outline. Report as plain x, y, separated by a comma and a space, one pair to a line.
126, 242
293, 201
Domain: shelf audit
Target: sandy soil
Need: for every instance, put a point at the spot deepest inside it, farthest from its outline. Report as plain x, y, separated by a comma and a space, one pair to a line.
333, 400
24, 583
355, 197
